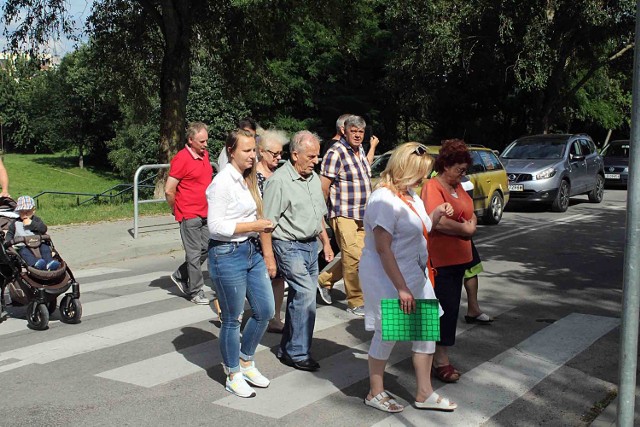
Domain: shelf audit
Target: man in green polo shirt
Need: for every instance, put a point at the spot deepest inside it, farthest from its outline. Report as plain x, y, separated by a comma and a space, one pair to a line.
294, 202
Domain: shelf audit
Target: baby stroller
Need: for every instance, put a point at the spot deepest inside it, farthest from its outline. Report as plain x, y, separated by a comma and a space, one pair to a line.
37, 289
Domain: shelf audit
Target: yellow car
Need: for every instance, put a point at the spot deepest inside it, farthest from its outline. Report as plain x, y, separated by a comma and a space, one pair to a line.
490, 183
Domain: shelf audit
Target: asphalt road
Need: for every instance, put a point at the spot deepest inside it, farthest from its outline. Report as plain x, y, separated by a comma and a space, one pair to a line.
144, 356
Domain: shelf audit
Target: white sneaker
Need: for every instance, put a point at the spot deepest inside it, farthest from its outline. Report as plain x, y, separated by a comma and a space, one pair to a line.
254, 377
238, 386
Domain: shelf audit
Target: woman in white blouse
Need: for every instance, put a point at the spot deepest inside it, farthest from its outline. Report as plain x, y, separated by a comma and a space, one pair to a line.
393, 265
235, 266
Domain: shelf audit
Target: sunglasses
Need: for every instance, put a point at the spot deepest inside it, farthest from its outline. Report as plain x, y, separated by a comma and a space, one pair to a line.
420, 150
276, 154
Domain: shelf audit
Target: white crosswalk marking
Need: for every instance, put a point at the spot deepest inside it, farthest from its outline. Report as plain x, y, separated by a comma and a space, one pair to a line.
98, 307
492, 386
481, 393
98, 339
100, 271
174, 365
337, 372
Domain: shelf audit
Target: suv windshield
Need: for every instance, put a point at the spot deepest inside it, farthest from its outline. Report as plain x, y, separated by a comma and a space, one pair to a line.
617, 150
536, 149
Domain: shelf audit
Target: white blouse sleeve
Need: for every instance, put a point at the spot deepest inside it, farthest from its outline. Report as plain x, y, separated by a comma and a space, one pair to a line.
219, 198
381, 211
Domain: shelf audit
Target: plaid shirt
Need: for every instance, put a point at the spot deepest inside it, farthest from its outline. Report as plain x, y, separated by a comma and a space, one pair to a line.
351, 176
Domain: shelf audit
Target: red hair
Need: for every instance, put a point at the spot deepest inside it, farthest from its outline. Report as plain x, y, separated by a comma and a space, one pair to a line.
452, 151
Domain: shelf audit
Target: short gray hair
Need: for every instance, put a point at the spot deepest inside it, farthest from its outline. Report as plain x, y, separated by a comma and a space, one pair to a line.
340, 122
195, 127
272, 136
356, 121
300, 138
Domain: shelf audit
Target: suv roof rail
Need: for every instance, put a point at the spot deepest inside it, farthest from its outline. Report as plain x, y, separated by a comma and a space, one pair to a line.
476, 145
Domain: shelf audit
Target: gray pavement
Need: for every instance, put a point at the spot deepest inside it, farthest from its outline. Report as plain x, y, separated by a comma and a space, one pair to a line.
85, 245
82, 245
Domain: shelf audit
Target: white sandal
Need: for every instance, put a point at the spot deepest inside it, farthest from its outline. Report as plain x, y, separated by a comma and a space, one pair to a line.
435, 402
384, 402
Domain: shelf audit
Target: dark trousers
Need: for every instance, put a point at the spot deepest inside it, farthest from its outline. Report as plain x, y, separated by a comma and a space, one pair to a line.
31, 259
448, 291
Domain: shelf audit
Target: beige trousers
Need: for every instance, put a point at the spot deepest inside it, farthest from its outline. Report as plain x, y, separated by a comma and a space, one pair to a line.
350, 238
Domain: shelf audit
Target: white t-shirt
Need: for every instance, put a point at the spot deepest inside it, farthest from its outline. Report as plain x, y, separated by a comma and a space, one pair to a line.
387, 210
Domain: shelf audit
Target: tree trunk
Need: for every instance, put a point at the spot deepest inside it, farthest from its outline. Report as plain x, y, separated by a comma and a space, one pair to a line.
175, 21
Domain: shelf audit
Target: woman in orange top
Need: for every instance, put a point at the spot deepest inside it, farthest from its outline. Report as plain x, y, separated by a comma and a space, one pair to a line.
449, 245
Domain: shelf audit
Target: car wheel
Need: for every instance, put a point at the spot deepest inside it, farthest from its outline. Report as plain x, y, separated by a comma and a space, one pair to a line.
597, 194
561, 203
493, 213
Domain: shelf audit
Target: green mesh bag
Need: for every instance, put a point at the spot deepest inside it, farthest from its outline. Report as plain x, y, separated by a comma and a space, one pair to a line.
421, 325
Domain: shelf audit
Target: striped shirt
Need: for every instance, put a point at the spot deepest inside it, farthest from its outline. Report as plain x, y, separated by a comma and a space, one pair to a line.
351, 176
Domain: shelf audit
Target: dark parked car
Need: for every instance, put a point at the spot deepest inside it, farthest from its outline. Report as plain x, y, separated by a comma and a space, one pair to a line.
551, 168
616, 162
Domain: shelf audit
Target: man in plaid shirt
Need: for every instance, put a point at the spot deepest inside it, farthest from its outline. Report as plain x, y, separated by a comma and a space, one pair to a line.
346, 182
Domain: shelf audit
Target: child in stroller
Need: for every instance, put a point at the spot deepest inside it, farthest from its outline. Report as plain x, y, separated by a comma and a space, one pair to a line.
28, 224
29, 285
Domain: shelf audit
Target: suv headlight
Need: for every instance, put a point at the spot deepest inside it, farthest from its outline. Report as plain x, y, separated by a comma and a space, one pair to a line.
546, 174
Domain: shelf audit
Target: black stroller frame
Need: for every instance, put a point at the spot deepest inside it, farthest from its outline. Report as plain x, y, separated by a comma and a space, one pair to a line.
37, 289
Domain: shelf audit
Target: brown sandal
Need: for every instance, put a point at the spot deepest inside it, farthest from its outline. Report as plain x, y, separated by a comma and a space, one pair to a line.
445, 373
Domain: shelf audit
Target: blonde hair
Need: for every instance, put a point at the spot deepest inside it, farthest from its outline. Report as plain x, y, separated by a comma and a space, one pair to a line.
406, 167
250, 175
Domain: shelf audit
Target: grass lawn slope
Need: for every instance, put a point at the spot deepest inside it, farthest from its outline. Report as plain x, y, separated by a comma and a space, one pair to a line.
31, 174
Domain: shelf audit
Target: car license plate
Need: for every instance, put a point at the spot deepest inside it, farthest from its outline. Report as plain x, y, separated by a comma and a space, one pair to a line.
516, 187
612, 175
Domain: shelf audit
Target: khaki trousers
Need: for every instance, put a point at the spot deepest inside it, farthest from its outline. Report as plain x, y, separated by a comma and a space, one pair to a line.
350, 237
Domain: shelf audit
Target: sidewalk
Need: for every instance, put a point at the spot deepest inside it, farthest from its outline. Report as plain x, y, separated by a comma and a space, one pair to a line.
86, 244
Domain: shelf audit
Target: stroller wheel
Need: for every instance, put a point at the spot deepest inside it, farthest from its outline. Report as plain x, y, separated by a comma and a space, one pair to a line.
70, 309
51, 306
37, 316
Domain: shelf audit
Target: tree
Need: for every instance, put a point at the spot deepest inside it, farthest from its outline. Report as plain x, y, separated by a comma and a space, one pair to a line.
176, 21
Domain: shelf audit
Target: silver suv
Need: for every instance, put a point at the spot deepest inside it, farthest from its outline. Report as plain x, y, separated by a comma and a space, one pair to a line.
551, 168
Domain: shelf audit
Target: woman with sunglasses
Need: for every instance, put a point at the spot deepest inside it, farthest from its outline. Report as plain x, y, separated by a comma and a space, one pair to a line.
449, 245
394, 265
236, 267
270, 147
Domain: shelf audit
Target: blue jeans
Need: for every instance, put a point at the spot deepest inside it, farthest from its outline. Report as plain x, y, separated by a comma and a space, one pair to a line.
299, 264
30, 258
238, 272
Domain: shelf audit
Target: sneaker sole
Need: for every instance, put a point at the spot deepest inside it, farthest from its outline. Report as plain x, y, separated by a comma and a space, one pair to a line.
200, 302
253, 393
247, 379
328, 302
179, 284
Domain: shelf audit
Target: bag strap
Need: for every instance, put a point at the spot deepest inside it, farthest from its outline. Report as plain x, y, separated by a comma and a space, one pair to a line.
431, 271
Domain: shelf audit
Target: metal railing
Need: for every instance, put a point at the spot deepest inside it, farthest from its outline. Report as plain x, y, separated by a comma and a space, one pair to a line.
136, 195
95, 197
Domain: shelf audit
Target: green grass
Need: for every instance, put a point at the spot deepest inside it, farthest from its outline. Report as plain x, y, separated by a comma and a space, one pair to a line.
31, 174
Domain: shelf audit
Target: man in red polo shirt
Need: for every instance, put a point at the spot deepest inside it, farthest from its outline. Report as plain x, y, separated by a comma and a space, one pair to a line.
189, 176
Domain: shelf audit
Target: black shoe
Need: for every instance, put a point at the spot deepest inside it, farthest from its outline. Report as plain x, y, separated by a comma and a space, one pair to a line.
303, 365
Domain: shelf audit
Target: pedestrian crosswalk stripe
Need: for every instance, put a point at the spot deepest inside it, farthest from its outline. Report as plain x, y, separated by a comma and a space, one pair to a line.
177, 364
89, 272
92, 308
101, 338
498, 237
337, 372
487, 389
123, 281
